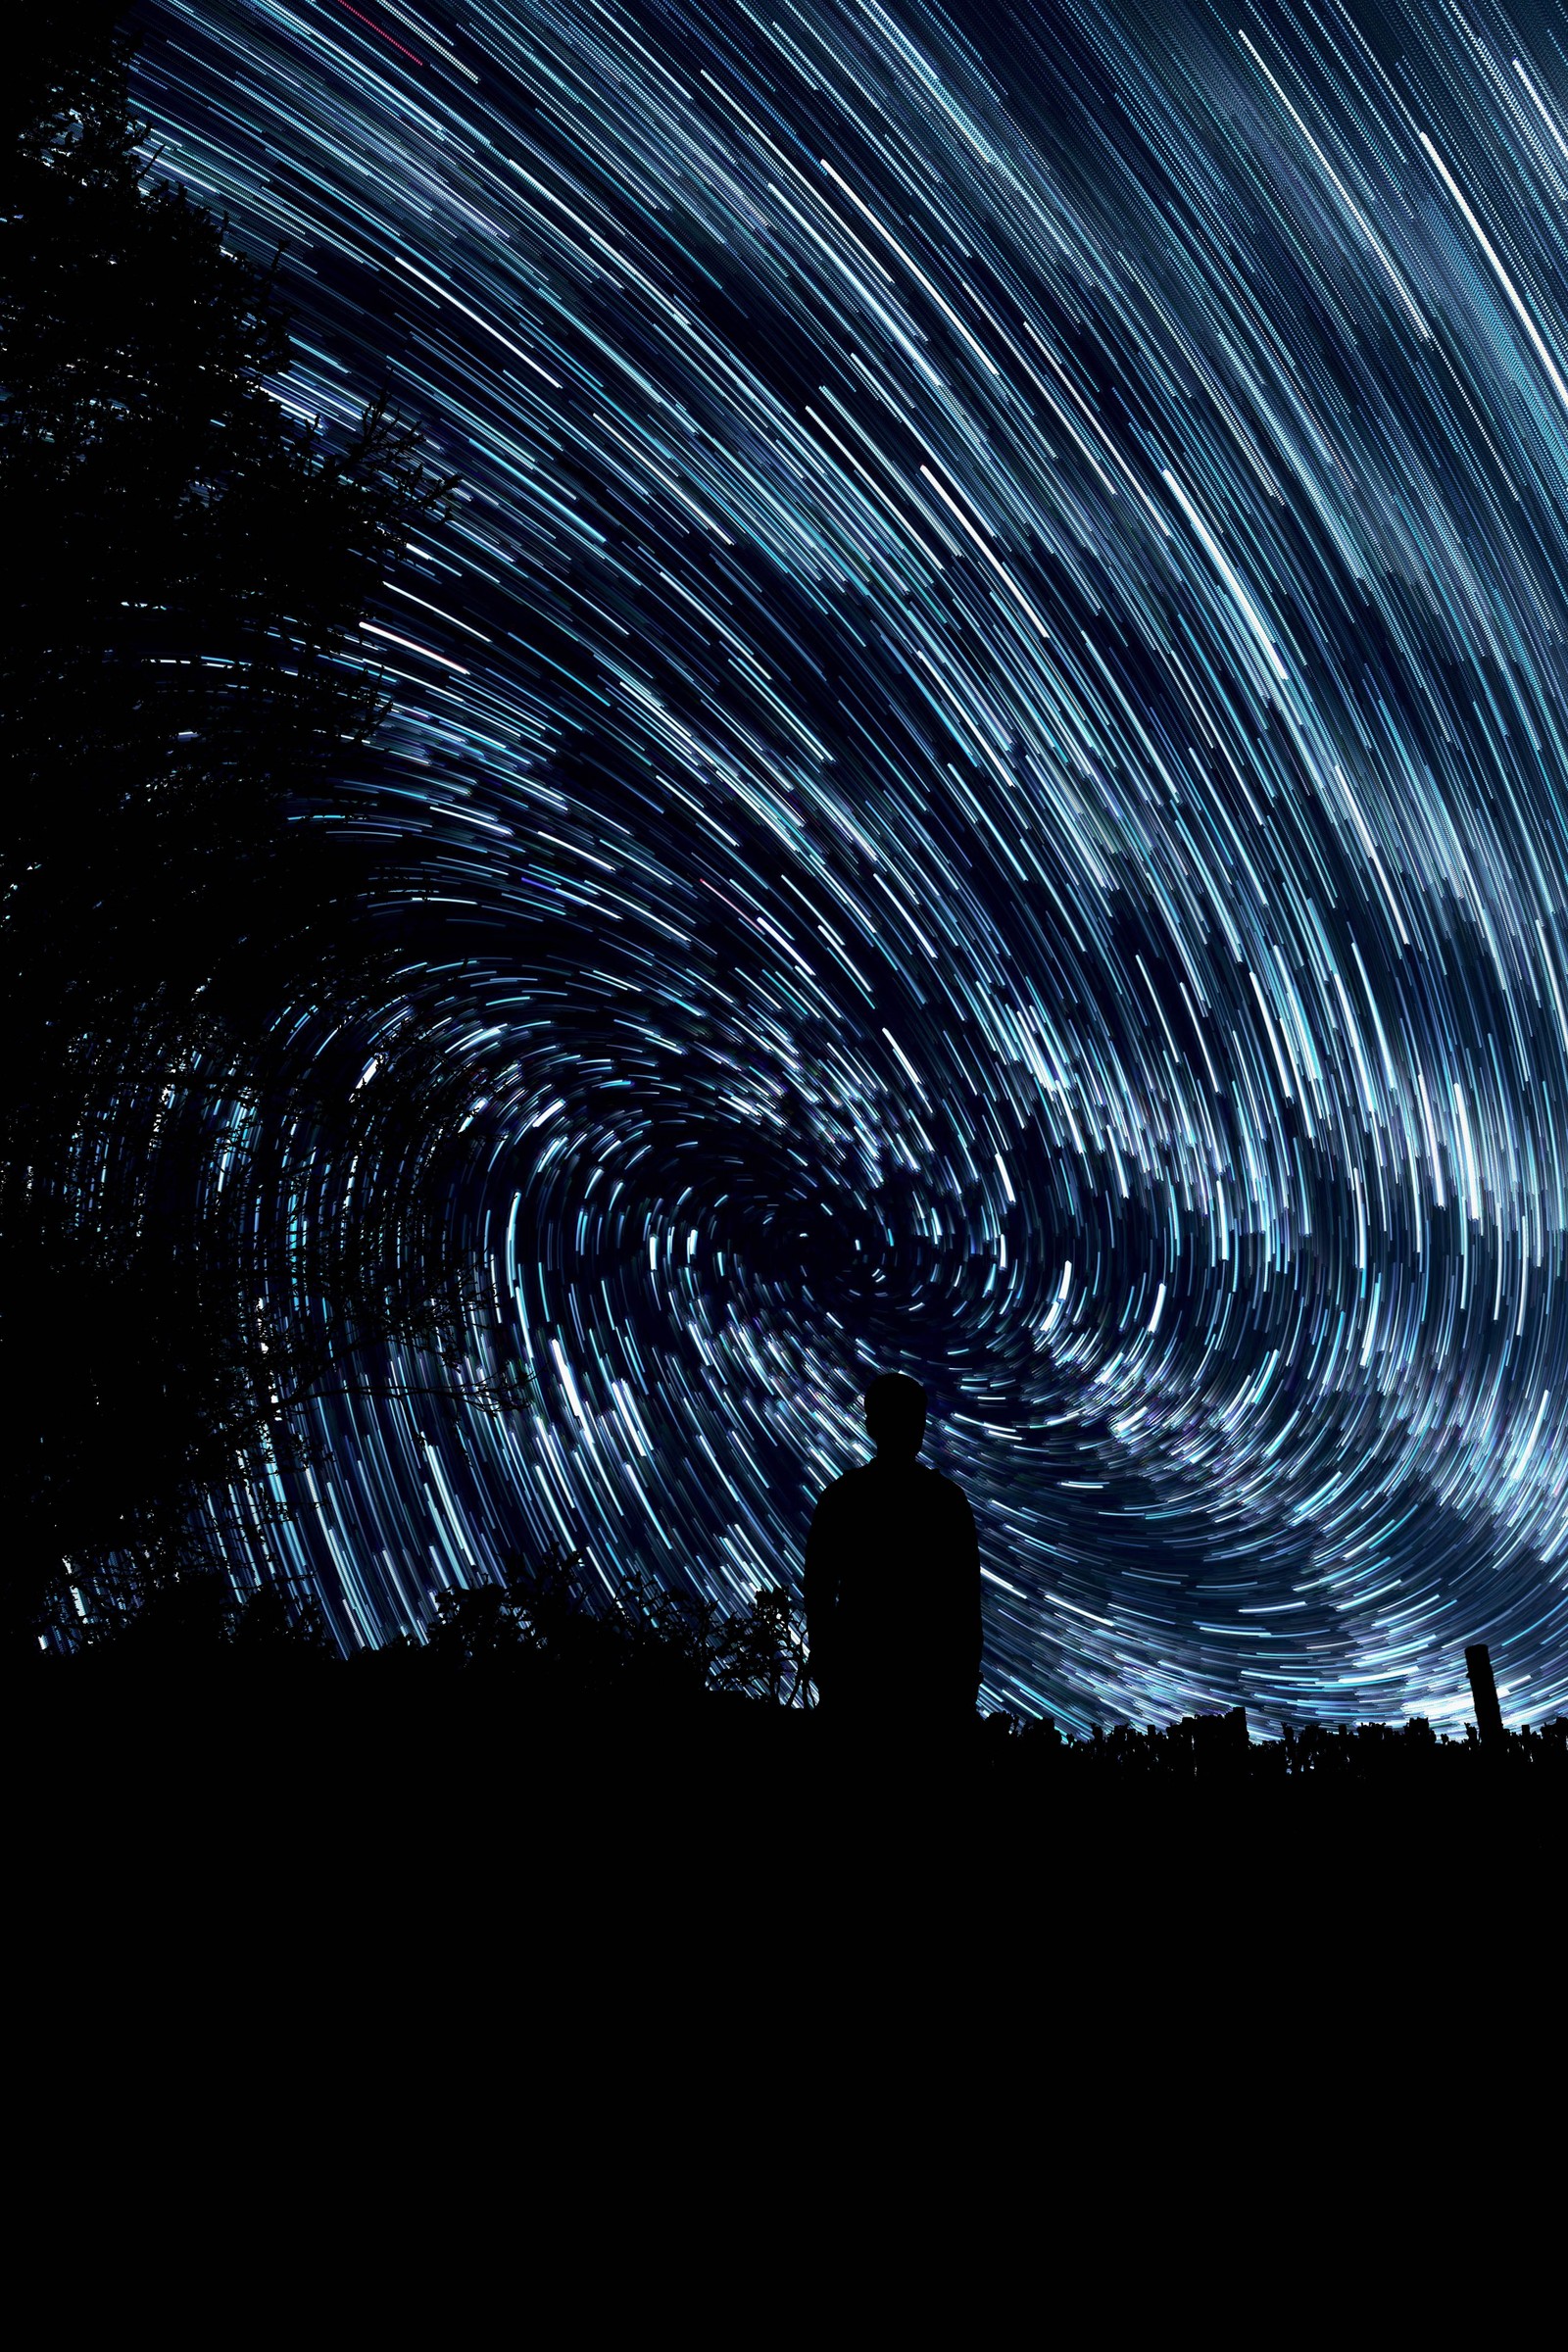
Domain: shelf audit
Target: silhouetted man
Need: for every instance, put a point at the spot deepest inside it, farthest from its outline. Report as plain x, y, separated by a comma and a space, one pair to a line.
892, 1577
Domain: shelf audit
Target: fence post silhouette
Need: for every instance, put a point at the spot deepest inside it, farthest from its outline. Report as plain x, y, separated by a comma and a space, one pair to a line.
1484, 1693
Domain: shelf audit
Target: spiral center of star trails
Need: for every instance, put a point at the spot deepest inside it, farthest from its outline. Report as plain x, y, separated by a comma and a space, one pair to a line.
989, 730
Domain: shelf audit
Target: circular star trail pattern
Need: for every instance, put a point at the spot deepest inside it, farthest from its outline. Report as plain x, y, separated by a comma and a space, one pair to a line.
991, 726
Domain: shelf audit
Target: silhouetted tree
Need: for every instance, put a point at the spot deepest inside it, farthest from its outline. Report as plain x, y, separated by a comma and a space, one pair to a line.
197, 1044
191, 567
196, 1621
642, 1642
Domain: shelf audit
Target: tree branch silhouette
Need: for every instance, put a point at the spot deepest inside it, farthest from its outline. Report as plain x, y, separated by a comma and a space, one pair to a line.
201, 1040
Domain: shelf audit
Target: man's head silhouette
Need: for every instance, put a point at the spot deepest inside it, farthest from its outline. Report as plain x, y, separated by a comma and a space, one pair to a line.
895, 1416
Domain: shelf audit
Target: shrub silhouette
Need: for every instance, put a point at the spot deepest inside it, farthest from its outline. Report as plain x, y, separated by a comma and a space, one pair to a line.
549, 1642
642, 1641
191, 1620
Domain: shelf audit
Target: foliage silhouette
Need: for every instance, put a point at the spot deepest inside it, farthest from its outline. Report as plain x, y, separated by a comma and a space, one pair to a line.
552, 1645
204, 1053
1218, 1750
194, 1623
642, 1642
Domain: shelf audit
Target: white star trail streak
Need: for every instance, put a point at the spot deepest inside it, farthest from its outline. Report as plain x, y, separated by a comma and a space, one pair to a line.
991, 725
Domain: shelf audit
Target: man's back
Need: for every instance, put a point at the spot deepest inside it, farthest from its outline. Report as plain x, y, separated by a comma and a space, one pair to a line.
892, 1591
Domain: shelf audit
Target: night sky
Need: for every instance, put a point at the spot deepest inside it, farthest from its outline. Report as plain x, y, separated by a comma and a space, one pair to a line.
990, 721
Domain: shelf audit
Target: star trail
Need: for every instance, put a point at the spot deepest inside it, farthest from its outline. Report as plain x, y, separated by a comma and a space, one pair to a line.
991, 719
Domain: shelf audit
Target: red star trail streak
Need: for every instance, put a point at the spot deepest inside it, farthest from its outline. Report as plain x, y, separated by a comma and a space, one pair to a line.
381, 31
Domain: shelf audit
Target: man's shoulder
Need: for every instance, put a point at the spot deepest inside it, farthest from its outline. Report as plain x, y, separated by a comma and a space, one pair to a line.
869, 1482
845, 1488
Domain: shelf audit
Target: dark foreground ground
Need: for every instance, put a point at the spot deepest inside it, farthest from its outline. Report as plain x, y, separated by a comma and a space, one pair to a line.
273, 1812
297, 1963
